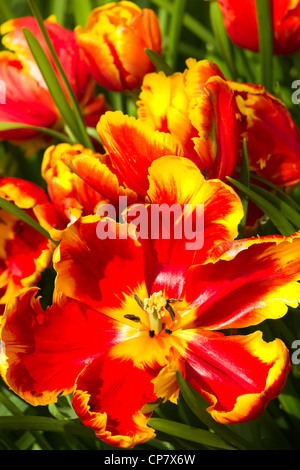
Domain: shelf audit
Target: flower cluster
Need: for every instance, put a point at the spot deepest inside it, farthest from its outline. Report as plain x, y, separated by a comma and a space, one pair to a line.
132, 309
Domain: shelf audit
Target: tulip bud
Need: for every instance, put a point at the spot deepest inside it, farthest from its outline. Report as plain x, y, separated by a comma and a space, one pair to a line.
114, 41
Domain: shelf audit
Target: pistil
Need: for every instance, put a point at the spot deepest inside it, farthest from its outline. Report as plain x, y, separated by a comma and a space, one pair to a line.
154, 307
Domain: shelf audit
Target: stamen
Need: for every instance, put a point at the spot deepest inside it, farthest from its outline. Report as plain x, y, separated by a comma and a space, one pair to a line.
169, 332
132, 318
151, 333
139, 302
170, 310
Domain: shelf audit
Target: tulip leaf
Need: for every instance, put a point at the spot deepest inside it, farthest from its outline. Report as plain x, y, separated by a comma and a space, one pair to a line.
190, 22
79, 126
279, 192
52, 81
277, 218
175, 29
41, 423
5, 12
59, 9
159, 62
198, 406
82, 9
189, 433
22, 215
223, 42
291, 214
245, 180
8, 126
265, 35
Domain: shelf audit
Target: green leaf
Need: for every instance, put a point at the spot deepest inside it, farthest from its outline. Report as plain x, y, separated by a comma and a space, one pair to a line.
82, 9
223, 42
8, 126
291, 214
198, 406
245, 180
175, 29
41, 423
22, 215
276, 217
190, 433
52, 82
59, 9
159, 62
79, 125
5, 12
188, 21
265, 34
279, 192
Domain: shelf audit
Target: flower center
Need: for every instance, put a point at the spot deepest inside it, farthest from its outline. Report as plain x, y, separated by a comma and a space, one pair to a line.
154, 306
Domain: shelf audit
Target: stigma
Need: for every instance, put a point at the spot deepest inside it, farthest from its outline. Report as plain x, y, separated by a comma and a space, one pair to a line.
154, 306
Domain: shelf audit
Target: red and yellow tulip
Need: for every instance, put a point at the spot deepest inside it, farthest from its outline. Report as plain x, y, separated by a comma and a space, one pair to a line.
127, 311
113, 44
28, 100
67, 191
198, 109
242, 26
209, 116
273, 139
24, 253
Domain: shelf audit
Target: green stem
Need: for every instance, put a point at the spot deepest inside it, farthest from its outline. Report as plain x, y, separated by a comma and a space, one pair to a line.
223, 42
175, 32
15, 411
40, 423
7, 126
265, 34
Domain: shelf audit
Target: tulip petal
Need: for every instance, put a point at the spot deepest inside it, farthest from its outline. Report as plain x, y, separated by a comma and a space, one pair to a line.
108, 397
26, 99
164, 105
100, 175
42, 352
213, 113
67, 190
247, 282
175, 182
237, 375
98, 262
24, 252
132, 147
273, 140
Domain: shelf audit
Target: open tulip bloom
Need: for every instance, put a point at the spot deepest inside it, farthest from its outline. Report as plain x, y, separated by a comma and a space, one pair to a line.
150, 225
130, 311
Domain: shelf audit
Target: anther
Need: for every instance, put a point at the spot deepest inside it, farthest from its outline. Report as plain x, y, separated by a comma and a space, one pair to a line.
133, 318
139, 302
151, 333
169, 332
170, 310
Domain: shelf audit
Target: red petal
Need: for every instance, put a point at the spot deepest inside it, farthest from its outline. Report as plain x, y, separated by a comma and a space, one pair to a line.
108, 397
98, 271
42, 352
256, 279
132, 147
238, 375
